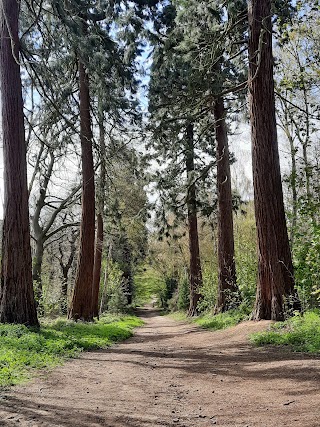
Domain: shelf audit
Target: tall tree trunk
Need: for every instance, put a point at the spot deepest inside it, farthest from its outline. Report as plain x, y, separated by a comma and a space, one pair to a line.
81, 307
17, 304
228, 292
100, 234
275, 269
195, 274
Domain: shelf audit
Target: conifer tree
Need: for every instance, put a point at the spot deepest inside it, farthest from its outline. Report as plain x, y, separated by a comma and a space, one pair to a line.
201, 37
180, 138
17, 304
275, 269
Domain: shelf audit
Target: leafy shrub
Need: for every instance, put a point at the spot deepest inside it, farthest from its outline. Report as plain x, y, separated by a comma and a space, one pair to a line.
300, 333
209, 287
306, 257
112, 289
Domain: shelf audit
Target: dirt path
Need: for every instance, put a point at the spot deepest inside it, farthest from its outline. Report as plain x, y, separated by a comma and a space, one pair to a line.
173, 374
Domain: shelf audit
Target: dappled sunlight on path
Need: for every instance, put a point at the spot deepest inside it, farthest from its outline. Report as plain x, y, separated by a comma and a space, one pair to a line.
173, 374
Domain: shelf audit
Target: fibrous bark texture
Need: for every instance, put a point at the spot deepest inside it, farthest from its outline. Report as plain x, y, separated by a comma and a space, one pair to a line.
195, 274
17, 304
275, 269
228, 294
81, 307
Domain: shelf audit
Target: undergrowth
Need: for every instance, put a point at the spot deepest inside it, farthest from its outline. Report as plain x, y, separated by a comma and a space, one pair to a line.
25, 349
215, 322
299, 333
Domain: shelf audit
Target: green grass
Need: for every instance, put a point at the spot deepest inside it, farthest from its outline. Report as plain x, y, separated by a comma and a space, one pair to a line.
215, 322
23, 350
300, 333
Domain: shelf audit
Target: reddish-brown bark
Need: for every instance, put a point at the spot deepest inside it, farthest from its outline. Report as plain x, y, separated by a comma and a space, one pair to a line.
195, 273
275, 269
81, 307
17, 304
228, 293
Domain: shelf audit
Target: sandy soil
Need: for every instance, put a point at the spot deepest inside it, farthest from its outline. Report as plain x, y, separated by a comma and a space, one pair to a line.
173, 374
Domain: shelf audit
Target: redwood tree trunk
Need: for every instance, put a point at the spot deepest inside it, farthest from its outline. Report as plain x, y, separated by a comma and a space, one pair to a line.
17, 304
81, 306
100, 234
275, 269
228, 293
195, 274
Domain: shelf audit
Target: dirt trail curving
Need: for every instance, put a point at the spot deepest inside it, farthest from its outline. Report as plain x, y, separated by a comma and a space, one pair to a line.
173, 374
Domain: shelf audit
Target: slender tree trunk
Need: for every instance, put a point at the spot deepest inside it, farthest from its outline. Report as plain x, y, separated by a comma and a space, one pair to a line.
38, 230
81, 307
17, 304
64, 291
65, 268
97, 264
127, 270
228, 292
100, 234
275, 269
37, 268
293, 179
64, 287
103, 302
195, 274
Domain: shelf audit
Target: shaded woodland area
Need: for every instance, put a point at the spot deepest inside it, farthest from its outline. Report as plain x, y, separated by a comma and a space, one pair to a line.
120, 182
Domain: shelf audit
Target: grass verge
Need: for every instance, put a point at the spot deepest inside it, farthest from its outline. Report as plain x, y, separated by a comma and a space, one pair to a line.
300, 333
214, 322
23, 350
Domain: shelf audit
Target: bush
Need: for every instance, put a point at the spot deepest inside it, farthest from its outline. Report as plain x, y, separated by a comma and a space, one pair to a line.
300, 333
306, 257
209, 287
112, 292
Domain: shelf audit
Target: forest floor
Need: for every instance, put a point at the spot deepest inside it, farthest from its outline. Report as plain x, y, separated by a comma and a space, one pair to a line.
173, 374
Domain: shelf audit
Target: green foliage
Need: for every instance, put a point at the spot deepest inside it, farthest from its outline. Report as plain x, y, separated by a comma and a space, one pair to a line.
300, 333
180, 298
183, 294
222, 320
246, 254
307, 263
209, 287
148, 285
115, 300
151, 286
23, 350
216, 322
